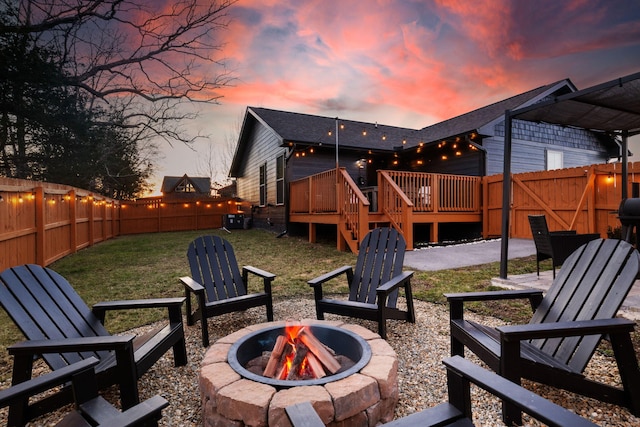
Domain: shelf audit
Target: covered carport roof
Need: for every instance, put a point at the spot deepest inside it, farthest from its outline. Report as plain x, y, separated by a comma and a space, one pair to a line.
612, 107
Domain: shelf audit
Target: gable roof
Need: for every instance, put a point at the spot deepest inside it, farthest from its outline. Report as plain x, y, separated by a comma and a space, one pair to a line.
476, 119
310, 129
201, 184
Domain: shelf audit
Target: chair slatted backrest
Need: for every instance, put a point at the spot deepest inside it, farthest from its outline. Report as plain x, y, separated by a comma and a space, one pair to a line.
380, 258
44, 305
213, 264
592, 284
540, 233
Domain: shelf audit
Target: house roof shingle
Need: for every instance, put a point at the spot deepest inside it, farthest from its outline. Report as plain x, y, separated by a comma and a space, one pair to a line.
476, 119
310, 129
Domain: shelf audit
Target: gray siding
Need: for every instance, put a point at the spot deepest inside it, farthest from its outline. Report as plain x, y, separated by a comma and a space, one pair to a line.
263, 147
530, 141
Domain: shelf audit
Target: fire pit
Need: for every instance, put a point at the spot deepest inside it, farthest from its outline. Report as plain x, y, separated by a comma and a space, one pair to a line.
362, 392
343, 342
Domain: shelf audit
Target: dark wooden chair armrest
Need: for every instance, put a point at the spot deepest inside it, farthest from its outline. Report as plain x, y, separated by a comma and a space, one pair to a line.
44, 382
174, 305
330, 275
191, 285
145, 413
140, 303
457, 300
34, 347
529, 402
565, 329
394, 283
303, 415
492, 295
150, 409
266, 276
258, 272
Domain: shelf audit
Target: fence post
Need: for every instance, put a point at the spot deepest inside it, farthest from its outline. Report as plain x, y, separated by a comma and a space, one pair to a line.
40, 228
103, 214
73, 221
92, 203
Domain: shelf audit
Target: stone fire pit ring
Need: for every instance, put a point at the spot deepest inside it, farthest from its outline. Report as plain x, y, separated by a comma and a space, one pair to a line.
364, 398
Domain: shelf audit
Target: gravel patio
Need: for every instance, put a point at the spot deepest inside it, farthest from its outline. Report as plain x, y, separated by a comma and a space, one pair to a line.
421, 376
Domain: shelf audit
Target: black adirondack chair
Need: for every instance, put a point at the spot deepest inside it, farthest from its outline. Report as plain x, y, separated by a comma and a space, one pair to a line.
91, 409
218, 285
555, 245
374, 284
457, 412
567, 326
63, 330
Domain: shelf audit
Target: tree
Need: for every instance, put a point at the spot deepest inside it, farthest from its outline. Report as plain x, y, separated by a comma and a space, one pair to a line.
108, 69
215, 161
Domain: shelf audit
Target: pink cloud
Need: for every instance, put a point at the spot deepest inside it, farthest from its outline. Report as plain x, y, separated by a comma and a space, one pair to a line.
440, 58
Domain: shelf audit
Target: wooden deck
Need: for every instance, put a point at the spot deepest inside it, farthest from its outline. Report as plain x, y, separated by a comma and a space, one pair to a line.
400, 200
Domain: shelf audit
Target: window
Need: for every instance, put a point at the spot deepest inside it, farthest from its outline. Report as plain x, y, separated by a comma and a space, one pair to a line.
554, 160
185, 186
280, 180
263, 185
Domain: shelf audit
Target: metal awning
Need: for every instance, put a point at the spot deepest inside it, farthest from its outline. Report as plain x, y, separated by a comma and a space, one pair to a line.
612, 107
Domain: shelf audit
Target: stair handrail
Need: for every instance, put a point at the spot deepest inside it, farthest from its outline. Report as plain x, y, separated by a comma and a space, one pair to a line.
396, 206
353, 208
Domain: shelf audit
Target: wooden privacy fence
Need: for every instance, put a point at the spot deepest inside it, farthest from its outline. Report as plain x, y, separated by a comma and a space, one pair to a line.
41, 222
155, 215
585, 199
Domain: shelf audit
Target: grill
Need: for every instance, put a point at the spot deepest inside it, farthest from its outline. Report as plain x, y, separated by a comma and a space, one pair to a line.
629, 216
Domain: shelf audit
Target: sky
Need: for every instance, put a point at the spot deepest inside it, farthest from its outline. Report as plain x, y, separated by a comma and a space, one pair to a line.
403, 63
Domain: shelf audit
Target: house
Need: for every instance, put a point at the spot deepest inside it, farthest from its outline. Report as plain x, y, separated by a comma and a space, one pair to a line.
276, 148
185, 187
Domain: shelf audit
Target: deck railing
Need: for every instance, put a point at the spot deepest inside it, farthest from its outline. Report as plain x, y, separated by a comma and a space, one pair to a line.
434, 192
314, 194
400, 196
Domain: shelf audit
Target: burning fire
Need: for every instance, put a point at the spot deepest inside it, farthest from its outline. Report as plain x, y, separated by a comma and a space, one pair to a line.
299, 355
292, 331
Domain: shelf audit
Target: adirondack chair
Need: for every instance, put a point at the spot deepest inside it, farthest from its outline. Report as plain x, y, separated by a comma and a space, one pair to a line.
90, 408
374, 284
62, 329
567, 326
557, 245
457, 412
218, 285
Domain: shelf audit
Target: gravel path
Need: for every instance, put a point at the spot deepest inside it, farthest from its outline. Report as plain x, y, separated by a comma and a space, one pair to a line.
420, 348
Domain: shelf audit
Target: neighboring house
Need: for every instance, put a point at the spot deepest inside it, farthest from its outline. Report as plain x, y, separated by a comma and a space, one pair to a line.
185, 187
278, 147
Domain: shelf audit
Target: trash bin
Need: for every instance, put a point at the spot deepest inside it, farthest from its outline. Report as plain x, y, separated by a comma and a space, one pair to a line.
234, 221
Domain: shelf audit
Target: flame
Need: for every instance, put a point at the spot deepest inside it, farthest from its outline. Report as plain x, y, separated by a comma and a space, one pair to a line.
291, 331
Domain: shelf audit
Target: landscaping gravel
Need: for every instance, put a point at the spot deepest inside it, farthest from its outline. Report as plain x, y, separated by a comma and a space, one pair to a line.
421, 375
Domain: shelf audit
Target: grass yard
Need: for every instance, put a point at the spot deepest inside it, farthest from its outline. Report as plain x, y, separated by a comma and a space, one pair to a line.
149, 265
